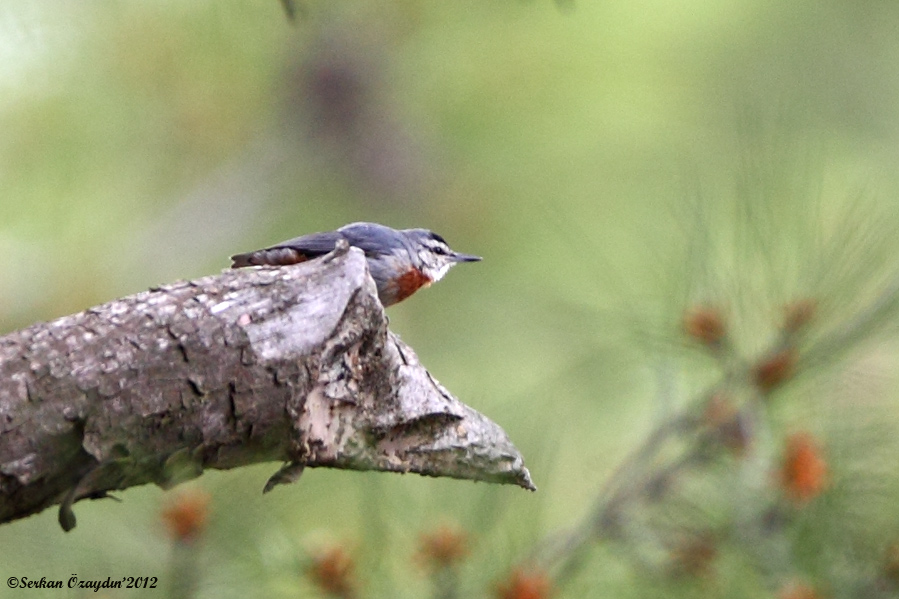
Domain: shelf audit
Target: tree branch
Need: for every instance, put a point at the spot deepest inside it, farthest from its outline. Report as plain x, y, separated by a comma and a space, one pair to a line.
290, 364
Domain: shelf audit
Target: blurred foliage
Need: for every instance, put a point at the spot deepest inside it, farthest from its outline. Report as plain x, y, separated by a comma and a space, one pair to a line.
624, 168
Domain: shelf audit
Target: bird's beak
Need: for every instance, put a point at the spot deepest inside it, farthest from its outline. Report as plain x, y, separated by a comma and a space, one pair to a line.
457, 257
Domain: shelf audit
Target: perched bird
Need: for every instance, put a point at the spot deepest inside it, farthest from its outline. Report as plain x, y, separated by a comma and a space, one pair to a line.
400, 261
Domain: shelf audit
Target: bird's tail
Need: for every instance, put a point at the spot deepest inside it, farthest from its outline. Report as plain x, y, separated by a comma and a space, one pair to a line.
271, 256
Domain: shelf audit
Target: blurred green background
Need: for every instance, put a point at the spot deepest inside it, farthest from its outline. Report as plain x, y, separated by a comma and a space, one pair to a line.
145, 141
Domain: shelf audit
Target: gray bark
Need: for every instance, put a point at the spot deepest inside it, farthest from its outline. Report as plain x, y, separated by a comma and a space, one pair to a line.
292, 364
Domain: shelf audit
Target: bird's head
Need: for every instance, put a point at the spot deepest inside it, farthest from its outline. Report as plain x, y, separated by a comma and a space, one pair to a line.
432, 254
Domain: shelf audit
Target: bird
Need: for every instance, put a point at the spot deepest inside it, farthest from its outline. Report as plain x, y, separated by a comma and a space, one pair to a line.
401, 261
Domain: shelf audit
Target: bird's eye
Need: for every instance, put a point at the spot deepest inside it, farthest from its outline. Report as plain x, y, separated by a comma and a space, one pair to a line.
439, 250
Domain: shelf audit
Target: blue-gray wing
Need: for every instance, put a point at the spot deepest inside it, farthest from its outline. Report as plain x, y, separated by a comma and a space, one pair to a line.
291, 251
371, 238
312, 245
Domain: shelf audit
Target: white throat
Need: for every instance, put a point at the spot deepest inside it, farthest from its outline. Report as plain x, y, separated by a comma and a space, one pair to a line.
435, 273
